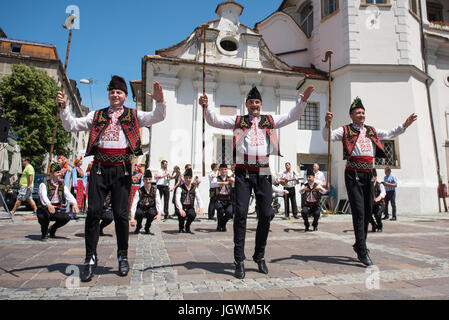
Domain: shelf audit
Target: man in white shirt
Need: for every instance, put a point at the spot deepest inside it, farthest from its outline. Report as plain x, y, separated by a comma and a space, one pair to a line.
163, 177
289, 179
186, 194
254, 140
146, 204
361, 143
113, 140
319, 175
52, 194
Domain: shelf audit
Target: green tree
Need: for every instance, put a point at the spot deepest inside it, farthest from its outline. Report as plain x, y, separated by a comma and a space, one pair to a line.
29, 98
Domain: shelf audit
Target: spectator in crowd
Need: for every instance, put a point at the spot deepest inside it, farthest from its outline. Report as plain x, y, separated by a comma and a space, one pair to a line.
163, 177
319, 175
390, 182
289, 179
26, 183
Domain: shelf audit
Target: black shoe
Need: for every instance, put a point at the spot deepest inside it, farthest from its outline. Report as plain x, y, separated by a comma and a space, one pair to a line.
262, 266
364, 258
137, 231
373, 229
385, 218
379, 229
181, 230
295, 216
123, 267
239, 270
88, 271
219, 229
44, 236
306, 229
393, 219
315, 228
189, 231
147, 230
52, 235
223, 229
102, 233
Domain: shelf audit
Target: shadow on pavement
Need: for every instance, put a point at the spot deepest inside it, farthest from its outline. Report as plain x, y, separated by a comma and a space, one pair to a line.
214, 267
325, 259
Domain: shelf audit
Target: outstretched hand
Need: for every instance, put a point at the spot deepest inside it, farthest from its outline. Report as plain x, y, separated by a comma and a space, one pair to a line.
412, 118
306, 94
158, 93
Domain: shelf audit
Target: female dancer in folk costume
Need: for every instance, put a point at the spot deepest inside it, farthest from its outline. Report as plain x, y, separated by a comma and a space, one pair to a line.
77, 183
65, 172
136, 181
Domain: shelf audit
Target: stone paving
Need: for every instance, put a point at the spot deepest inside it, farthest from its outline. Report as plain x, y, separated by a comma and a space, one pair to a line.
411, 259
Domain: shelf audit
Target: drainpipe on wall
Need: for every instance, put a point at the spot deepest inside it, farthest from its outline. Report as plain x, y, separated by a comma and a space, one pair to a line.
429, 100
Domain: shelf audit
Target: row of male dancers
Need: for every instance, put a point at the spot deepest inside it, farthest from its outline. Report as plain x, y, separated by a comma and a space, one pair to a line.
146, 202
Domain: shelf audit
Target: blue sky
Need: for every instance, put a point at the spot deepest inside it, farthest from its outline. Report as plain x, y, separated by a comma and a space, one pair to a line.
114, 35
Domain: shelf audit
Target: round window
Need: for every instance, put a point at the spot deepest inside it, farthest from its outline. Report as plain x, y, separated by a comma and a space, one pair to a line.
228, 45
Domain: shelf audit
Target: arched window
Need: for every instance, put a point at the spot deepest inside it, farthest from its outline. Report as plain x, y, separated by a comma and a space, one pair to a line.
306, 18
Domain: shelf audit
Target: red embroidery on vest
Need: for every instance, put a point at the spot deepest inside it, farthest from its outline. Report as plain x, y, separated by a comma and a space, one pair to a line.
350, 137
242, 124
128, 122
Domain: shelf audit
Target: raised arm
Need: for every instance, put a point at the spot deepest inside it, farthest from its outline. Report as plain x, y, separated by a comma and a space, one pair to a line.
147, 119
295, 113
221, 122
70, 123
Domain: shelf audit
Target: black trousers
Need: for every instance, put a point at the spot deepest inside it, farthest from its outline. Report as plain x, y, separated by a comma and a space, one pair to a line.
307, 211
212, 207
112, 179
390, 197
376, 218
261, 184
164, 191
290, 197
360, 195
188, 219
106, 219
224, 212
149, 214
44, 217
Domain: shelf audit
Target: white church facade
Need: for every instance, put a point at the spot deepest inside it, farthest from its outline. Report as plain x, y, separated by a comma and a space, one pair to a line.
377, 55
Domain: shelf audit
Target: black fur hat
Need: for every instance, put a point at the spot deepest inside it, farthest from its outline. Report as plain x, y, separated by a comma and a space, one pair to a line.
118, 83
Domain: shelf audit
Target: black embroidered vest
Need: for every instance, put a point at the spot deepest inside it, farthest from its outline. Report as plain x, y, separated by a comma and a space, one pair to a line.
228, 189
51, 189
129, 124
243, 123
188, 193
316, 194
350, 136
147, 200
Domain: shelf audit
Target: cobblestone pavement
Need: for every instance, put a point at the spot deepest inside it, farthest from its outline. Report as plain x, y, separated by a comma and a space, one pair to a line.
411, 259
